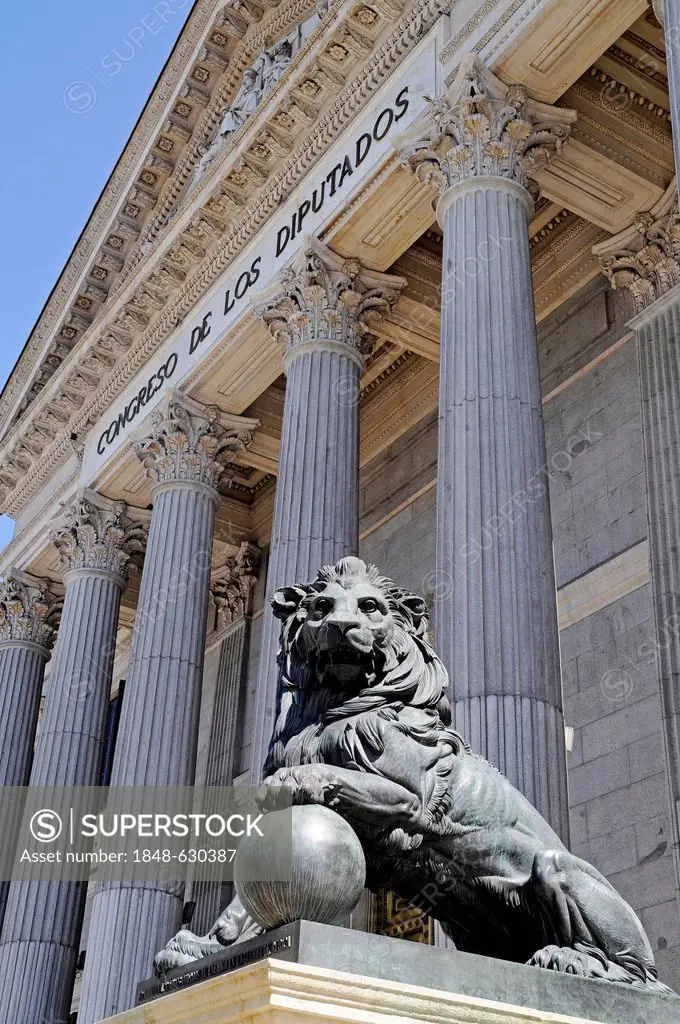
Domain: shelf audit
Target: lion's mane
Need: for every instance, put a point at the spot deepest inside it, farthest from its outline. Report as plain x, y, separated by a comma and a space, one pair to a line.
407, 673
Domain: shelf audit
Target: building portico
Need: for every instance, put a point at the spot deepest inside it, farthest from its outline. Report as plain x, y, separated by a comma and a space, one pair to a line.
350, 266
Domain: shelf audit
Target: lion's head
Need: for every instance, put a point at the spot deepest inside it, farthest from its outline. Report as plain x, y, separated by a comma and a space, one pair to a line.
344, 623
351, 641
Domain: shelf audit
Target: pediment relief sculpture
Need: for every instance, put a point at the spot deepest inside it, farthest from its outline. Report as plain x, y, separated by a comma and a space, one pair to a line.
257, 81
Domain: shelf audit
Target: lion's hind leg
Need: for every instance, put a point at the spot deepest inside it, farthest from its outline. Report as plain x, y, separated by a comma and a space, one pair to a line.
595, 933
510, 890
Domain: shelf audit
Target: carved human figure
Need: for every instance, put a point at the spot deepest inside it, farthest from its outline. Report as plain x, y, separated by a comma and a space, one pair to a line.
364, 726
258, 80
208, 155
245, 102
274, 63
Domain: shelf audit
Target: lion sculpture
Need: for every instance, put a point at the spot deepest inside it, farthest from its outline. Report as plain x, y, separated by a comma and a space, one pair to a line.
363, 725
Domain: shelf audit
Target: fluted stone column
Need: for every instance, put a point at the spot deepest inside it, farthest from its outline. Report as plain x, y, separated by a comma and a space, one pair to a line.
668, 13
231, 591
495, 615
187, 454
29, 615
96, 540
645, 261
320, 309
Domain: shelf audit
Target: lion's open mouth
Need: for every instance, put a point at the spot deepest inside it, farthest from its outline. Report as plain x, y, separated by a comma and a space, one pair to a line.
345, 665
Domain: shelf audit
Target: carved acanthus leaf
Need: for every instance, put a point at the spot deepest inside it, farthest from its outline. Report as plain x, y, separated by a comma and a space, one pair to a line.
483, 128
645, 258
29, 609
323, 297
97, 533
232, 589
193, 442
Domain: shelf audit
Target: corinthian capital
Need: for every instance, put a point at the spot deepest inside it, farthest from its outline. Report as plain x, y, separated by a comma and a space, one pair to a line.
193, 443
644, 259
29, 610
97, 533
325, 301
232, 588
483, 128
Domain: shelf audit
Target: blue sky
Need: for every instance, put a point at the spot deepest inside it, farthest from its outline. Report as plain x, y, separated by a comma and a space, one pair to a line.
77, 76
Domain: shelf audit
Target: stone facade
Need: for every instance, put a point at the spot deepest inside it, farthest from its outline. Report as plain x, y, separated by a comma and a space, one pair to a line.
620, 814
268, 351
597, 486
397, 530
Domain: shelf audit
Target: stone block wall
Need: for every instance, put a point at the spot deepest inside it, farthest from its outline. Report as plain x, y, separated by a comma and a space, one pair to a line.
618, 792
618, 789
597, 481
398, 496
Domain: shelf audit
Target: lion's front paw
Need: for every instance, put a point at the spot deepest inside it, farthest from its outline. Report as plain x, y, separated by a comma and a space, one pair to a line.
310, 783
182, 949
563, 959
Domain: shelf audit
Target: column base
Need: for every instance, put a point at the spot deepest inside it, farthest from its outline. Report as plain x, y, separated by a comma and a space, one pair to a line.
322, 973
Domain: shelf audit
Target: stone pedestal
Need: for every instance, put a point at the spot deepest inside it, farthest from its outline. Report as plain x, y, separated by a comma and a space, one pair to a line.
320, 310
496, 613
319, 973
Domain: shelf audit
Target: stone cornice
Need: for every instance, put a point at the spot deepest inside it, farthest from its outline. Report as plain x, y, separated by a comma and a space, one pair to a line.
250, 204
110, 200
485, 10
545, 231
606, 84
136, 202
176, 194
22, 547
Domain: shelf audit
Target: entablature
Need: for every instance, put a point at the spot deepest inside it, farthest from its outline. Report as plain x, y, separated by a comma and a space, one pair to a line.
199, 244
199, 81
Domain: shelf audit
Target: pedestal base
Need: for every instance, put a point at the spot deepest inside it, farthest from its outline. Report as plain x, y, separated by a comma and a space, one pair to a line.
329, 974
